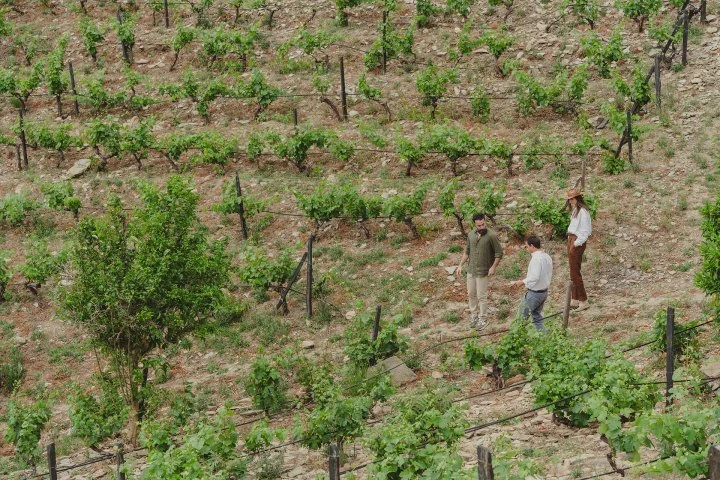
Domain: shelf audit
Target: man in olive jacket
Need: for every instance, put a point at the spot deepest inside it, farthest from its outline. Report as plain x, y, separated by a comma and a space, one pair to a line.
483, 253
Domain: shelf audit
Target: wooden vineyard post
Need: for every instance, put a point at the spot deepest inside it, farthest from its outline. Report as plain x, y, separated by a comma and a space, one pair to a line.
23, 139
166, 13
629, 135
670, 353
703, 11
309, 278
566, 311
295, 119
241, 207
582, 178
658, 102
126, 53
293, 278
52, 462
686, 27
334, 461
376, 331
485, 468
714, 462
376, 325
120, 461
384, 51
76, 106
343, 95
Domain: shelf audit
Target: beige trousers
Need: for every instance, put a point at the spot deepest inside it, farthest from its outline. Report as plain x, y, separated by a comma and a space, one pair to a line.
477, 295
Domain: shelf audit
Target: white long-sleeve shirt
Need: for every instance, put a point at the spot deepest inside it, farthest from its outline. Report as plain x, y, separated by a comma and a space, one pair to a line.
580, 226
540, 270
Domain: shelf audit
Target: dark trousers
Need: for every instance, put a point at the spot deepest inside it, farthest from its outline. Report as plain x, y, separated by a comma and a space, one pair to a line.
575, 257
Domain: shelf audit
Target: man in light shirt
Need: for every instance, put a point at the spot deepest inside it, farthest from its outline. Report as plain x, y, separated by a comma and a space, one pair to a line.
537, 282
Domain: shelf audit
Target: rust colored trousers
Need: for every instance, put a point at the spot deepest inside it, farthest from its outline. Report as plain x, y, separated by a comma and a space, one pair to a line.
575, 257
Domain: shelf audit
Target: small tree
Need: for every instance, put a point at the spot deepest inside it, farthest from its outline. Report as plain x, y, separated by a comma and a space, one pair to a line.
409, 153
144, 282
432, 84
454, 142
92, 36
639, 10
403, 207
25, 424
55, 76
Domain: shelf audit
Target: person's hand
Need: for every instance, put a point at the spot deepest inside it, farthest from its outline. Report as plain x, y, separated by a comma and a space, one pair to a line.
458, 271
491, 272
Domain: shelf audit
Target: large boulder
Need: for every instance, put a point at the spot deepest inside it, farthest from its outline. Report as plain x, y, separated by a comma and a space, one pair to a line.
78, 169
400, 374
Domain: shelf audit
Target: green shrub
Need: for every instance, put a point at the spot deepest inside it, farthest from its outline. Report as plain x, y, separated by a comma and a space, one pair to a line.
25, 424
266, 387
95, 419
11, 364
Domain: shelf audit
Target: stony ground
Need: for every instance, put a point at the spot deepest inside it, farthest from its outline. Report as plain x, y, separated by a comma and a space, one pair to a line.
642, 256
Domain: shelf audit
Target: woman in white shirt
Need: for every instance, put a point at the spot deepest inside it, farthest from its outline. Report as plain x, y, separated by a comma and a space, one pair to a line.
578, 233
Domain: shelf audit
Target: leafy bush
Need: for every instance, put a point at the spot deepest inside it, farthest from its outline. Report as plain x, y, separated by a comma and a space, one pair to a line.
391, 42
402, 208
707, 277
262, 272
40, 264
452, 141
15, 207
207, 449
25, 424
266, 387
563, 93
562, 367
684, 338
639, 10
602, 54
60, 196
5, 274
508, 357
420, 439
95, 419
550, 212
683, 434
11, 359
480, 104
432, 84
363, 352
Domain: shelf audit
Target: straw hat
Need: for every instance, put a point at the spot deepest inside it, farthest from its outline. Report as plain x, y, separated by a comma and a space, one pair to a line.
572, 193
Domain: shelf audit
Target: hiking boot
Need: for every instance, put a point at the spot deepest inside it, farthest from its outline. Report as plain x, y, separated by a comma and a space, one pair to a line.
473, 320
481, 325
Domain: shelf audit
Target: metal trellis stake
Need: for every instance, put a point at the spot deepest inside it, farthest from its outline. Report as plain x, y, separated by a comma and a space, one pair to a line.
23, 139
241, 207
658, 101
334, 461
120, 461
384, 51
343, 95
686, 28
629, 135
76, 106
566, 311
309, 278
714, 462
670, 351
52, 461
376, 330
485, 468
